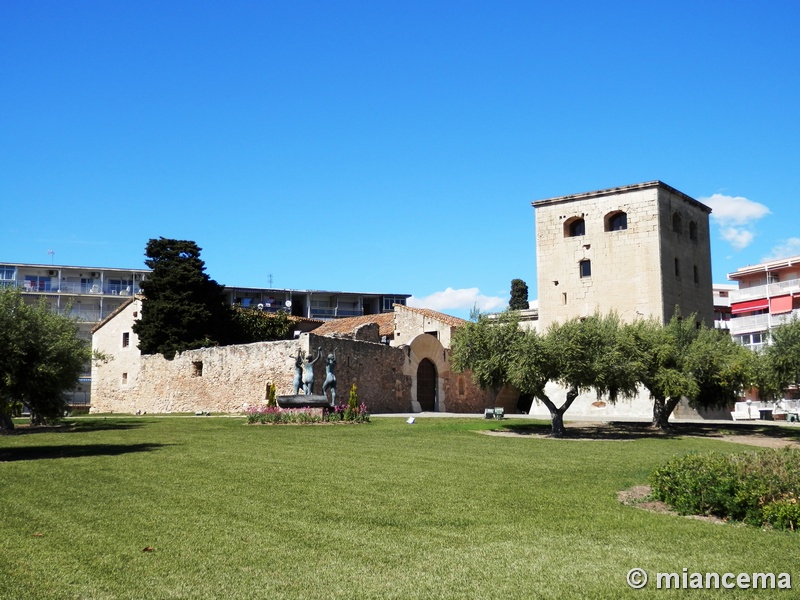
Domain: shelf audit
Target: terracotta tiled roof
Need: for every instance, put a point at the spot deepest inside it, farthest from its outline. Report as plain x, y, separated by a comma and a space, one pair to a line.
432, 314
348, 325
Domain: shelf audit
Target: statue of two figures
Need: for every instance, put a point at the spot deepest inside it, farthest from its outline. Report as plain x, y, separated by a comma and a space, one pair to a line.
304, 375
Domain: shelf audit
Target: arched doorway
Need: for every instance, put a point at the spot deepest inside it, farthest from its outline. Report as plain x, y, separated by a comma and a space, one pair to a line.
426, 385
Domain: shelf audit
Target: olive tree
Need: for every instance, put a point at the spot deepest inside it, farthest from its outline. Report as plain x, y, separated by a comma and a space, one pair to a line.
685, 360
41, 358
486, 347
579, 355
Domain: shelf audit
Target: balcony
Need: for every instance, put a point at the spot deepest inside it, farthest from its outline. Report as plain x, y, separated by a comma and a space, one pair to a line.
766, 291
760, 322
746, 324
334, 313
73, 288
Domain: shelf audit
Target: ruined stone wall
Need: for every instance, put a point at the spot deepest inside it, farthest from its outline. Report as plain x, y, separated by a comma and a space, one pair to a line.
222, 379
229, 379
409, 324
376, 370
463, 396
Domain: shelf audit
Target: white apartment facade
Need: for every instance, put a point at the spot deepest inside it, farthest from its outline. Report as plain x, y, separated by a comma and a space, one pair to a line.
768, 295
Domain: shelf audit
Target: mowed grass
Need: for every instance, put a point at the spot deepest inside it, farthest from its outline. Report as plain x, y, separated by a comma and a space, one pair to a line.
383, 510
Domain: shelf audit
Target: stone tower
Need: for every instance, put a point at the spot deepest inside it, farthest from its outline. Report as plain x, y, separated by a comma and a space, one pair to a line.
640, 250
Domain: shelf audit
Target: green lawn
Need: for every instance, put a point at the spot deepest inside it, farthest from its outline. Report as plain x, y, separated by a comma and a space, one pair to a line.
383, 510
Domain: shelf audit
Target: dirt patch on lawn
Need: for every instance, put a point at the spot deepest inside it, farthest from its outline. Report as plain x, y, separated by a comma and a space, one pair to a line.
639, 497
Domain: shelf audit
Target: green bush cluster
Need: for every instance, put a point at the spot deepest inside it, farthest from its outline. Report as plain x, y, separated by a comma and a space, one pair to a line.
758, 488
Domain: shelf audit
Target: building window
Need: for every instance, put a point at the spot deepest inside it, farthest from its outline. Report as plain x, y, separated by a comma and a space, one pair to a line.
677, 223
564, 298
36, 283
126, 339
696, 274
677, 268
575, 227
390, 301
585, 268
693, 231
616, 221
197, 368
124, 379
754, 341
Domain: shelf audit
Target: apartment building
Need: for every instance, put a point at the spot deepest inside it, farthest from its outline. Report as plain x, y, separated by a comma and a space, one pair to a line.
90, 294
722, 304
768, 295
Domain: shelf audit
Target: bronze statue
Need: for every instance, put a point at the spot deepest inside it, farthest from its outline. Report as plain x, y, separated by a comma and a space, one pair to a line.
298, 372
308, 373
330, 378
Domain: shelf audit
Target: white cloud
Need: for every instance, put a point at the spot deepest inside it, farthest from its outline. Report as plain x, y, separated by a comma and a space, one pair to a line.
730, 211
463, 299
737, 237
736, 217
785, 249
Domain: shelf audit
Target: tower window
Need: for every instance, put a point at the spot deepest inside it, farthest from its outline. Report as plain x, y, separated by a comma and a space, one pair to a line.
677, 223
696, 275
585, 268
616, 221
575, 227
693, 231
677, 268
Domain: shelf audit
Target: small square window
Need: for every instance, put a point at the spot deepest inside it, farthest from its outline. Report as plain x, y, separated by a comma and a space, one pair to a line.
197, 368
585, 268
126, 339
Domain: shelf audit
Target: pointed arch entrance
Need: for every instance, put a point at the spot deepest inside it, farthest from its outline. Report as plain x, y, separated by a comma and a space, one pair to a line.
426, 385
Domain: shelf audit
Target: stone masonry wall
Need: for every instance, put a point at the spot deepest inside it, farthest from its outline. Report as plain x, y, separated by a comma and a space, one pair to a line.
229, 379
625, 264
222, 379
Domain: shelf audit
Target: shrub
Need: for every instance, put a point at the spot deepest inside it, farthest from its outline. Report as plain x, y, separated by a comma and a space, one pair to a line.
783, 513
755, 487
351, 412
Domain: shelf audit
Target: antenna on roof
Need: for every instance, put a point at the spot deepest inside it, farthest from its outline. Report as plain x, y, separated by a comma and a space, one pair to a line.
269, 278
52, 253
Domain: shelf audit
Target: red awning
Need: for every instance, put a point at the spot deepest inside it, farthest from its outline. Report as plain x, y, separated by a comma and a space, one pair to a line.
749, 306
780, 304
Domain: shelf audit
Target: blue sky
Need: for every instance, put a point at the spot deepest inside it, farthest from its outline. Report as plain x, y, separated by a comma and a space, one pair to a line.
386, 146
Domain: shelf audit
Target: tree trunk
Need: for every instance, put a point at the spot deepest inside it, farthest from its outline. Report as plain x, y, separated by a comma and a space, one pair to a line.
6, 423
662, 409
557, 413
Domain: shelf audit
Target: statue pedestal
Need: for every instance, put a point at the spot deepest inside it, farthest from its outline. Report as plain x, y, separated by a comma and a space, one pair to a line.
304, 401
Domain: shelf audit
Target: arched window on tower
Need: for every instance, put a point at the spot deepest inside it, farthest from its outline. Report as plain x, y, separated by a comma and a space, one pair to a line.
677, 223
616, 221
574, 227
